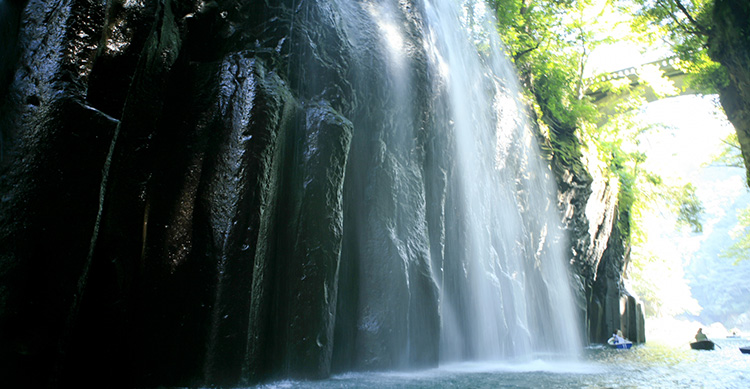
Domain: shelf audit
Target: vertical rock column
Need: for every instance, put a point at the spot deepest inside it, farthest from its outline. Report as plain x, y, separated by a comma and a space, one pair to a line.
52, 147
310, 230
248, 123
632, 320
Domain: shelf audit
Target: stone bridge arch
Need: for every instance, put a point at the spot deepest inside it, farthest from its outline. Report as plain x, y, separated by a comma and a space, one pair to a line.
607, 101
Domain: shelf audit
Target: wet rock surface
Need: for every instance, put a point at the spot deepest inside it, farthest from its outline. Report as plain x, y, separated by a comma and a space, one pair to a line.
599, 255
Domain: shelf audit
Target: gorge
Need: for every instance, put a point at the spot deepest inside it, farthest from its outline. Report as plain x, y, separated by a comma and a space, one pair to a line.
223, 193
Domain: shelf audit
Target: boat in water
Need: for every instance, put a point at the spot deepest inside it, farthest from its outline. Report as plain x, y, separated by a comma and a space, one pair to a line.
702, 345
614, 343
745, 350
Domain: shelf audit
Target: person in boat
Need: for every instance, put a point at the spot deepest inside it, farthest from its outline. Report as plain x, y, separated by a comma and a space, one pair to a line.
700, 336
618, 337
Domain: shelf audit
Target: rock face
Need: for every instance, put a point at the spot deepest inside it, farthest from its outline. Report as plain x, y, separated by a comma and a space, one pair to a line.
144, 146
213, 193
729, 44
600, 255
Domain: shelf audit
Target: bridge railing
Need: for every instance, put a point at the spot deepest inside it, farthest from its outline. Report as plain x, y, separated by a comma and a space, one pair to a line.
666, 64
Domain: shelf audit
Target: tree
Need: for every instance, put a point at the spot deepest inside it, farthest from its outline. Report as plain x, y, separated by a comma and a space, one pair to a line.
550, 43
685, 26
712, 37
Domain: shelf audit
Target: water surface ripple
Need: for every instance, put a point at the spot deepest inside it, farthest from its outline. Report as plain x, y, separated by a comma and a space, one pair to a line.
644, 366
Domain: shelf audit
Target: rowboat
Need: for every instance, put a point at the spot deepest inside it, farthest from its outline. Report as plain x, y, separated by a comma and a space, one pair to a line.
702, 345
613, 343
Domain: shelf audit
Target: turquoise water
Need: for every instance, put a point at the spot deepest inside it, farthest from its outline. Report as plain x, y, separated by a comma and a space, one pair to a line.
643, 366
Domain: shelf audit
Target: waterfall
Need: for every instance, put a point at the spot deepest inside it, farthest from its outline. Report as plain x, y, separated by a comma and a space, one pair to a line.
453, 248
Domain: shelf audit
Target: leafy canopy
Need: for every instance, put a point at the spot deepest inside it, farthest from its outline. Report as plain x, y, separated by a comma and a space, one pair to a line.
685, 26
551, 42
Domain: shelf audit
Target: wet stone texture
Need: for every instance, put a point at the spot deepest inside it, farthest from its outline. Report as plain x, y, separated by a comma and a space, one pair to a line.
148, 153
591, 212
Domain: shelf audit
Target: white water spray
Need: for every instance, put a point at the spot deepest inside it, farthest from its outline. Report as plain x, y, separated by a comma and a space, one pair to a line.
498, 259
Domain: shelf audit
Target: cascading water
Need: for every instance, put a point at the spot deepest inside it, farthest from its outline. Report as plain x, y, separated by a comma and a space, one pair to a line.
453, 248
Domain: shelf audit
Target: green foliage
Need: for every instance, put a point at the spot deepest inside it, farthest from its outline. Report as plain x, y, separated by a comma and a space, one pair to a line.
685, 25
704, 74
550, 42
618, 143
688, 208
740, 249
731, 154
529, 26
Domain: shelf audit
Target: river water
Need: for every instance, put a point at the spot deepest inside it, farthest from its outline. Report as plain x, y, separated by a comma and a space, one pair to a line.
650, 365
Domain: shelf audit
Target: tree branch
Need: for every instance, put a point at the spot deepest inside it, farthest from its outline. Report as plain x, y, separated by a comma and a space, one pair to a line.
701, 29
671, 12
521, 53
731, 144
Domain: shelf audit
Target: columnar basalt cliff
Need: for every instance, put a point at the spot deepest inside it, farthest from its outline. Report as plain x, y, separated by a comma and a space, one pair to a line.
599, 252
220, 193
600, 256
598, 232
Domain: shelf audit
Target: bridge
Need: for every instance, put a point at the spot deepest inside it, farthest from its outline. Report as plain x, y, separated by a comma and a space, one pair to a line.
668, 66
